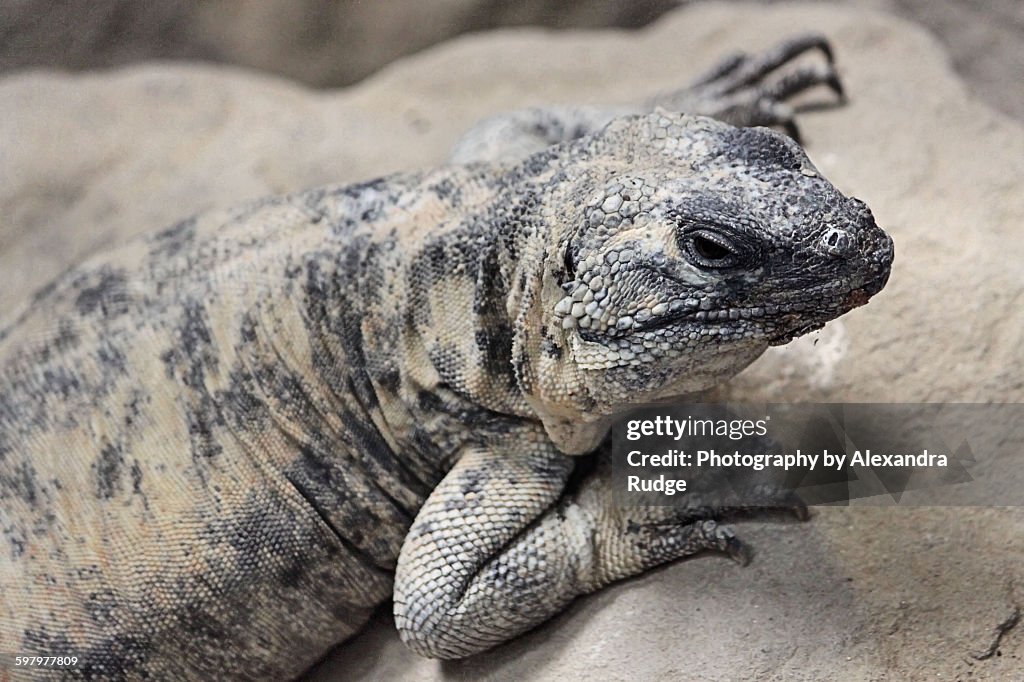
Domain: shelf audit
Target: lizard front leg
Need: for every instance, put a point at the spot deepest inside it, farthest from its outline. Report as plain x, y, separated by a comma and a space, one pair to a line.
744, 90
500, 546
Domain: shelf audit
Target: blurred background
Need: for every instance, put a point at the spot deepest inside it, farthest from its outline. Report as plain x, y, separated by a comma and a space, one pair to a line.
331, 43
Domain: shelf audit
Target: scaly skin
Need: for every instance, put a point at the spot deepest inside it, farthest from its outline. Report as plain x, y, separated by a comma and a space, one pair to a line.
683, 249
223, 445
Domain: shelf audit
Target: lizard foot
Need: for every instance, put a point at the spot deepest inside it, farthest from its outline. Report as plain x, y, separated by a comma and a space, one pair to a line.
685, 540
746, 90
699, 526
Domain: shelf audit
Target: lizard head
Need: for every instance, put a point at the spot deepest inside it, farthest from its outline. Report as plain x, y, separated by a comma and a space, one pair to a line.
684, 250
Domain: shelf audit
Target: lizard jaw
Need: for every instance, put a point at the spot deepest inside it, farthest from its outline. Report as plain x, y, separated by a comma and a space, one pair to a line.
854, 299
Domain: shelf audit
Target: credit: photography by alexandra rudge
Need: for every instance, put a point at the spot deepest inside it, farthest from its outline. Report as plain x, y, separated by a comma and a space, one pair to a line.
757, 455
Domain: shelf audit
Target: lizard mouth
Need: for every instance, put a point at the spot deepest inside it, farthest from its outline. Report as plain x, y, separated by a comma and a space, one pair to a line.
780, 323
785, 337
840, 306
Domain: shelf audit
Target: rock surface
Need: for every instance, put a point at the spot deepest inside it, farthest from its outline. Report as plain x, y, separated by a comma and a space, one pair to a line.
323, 43
329, 43
857, 594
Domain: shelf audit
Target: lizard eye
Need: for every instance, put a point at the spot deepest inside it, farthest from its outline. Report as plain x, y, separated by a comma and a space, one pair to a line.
569, 263
707, 249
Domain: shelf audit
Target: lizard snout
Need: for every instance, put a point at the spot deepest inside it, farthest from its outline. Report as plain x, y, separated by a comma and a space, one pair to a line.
838, 243
880, 259
864, 244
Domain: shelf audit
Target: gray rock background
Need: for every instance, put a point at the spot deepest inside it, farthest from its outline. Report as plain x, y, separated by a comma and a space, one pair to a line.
329, 43
859, 593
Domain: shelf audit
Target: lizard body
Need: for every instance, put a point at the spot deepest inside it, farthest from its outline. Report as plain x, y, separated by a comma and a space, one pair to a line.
222, 446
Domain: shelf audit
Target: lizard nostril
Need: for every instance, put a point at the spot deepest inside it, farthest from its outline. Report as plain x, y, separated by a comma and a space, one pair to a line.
837, 242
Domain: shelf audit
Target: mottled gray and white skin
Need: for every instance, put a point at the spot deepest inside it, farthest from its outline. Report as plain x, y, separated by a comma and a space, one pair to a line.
222, 446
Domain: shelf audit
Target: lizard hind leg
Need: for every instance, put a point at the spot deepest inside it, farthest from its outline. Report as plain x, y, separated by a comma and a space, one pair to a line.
755, 68
742, 89
747, 90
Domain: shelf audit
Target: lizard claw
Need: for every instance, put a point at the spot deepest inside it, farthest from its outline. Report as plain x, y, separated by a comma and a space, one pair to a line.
739, 551
725, 540
800, 511
775, 500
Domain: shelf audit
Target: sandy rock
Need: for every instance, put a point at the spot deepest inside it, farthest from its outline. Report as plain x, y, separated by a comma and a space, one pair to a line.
860, 593
319, 42
330, 43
